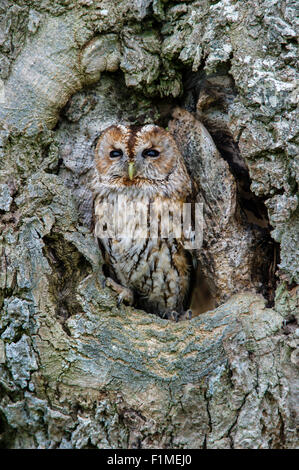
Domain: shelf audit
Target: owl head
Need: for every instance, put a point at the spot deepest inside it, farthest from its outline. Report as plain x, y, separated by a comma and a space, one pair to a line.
147, 158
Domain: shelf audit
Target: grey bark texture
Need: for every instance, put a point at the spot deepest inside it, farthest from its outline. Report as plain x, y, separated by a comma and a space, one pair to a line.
76, 370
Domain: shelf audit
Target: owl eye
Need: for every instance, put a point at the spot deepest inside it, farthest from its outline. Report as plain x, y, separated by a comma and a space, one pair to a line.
150, 153
116, 153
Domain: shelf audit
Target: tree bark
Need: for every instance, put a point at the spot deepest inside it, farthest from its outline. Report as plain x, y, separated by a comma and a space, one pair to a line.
76, 370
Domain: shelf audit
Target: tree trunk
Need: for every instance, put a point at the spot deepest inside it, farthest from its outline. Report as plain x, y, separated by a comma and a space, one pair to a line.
76, 370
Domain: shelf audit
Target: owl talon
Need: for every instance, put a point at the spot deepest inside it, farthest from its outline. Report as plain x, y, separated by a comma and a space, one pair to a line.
189, 314
186, 315
176, 316
172, 316
124, 293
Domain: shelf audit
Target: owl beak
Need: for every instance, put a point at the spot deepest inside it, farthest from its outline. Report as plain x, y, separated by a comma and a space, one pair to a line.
131, 170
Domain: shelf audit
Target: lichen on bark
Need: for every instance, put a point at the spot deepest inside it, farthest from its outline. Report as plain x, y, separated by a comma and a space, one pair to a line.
76, 371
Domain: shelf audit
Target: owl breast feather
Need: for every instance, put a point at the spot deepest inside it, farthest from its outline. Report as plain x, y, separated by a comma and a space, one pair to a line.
155, 268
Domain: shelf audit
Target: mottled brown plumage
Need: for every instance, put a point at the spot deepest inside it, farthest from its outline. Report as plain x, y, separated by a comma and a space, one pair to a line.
144, 166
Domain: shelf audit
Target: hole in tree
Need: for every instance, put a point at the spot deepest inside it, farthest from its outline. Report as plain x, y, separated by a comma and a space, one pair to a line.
209, 97
205, 97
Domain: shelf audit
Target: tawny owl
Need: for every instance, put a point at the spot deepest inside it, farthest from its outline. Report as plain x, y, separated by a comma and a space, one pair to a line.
142, 165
